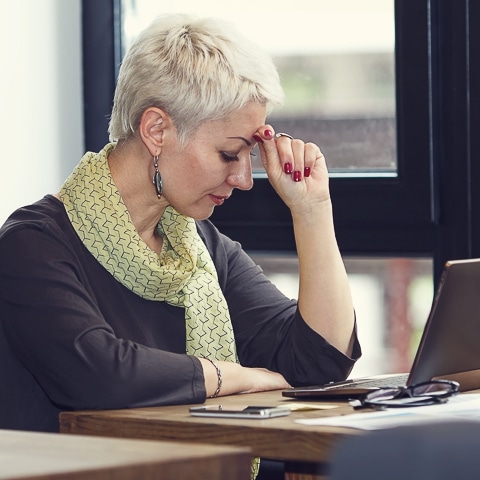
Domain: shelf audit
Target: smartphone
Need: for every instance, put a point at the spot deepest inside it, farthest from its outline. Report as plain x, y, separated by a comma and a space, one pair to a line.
219, 411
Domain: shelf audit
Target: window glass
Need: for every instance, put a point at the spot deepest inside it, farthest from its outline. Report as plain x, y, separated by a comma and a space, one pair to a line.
392, 299
336, 63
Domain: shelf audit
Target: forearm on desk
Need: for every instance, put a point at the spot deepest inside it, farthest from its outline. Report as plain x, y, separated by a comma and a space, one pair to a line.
238, 379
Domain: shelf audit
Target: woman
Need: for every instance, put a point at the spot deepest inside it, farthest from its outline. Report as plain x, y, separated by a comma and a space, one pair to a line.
118, 292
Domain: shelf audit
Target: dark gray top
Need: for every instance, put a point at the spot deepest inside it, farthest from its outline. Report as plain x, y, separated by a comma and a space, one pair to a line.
75, 338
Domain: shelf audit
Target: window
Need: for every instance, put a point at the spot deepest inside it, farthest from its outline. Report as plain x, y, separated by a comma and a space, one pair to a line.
339, 81
403, 221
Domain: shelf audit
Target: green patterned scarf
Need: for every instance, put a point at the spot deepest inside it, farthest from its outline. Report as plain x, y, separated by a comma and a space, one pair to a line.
183, 274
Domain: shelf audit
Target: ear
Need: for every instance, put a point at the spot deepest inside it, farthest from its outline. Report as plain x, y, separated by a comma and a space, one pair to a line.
152, 128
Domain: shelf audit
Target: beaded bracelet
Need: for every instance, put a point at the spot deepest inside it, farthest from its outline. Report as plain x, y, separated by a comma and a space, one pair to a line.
219, 375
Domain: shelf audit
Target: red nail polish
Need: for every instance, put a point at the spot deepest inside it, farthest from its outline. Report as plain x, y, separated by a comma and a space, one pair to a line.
258, 138
268, 133
297, 176
306, 171
287, 168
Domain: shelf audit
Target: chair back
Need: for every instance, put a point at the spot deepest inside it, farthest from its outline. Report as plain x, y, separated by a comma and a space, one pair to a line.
442, 451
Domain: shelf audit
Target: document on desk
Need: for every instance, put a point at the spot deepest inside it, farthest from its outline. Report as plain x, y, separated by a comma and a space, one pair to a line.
460, 407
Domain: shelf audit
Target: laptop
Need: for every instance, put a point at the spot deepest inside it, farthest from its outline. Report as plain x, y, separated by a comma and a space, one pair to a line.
449, 347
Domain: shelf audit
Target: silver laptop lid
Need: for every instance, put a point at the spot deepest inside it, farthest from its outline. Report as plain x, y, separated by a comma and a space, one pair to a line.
450, 344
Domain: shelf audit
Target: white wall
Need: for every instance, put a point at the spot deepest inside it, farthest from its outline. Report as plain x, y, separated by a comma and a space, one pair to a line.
41, 124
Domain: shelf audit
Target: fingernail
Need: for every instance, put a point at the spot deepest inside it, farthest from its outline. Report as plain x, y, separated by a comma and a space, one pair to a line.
268, 133
306, 171
297, 176
258, 138
287, 168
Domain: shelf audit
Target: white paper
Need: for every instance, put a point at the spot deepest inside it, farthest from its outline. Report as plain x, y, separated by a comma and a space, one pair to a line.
460, 407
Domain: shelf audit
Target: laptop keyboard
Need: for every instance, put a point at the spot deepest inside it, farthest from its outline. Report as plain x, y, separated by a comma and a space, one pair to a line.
393, 381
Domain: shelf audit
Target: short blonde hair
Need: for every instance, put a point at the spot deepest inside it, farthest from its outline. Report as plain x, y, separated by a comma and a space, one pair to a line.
195, 69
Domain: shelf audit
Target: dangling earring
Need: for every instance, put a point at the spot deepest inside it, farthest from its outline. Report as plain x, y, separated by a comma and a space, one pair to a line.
157, 178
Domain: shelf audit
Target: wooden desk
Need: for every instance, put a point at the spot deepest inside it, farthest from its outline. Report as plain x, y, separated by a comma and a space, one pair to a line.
29, 455
304, 448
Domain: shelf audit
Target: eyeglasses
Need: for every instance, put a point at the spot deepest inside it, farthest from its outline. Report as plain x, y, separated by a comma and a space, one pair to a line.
427, 393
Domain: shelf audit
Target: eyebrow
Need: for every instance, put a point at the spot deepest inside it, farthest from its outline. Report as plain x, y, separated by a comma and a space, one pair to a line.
241, 138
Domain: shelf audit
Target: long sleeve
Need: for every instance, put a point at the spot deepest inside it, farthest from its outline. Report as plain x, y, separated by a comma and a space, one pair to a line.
269, 329
88, 341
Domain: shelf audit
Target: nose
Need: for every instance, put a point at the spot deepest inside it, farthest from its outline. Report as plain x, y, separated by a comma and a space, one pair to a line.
241, 175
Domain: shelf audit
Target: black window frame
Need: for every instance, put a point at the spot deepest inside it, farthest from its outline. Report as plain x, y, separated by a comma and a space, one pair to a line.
430, 209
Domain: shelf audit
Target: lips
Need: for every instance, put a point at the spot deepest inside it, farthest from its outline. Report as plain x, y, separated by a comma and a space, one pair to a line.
218, 199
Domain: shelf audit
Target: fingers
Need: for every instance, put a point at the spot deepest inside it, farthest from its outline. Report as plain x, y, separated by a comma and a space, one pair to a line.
282, 153
264, 138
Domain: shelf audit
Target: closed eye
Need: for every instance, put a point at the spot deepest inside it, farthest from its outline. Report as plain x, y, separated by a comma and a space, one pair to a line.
229, 157
233, 157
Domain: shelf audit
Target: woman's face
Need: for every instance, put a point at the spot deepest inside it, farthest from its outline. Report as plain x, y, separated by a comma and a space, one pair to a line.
203, 174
